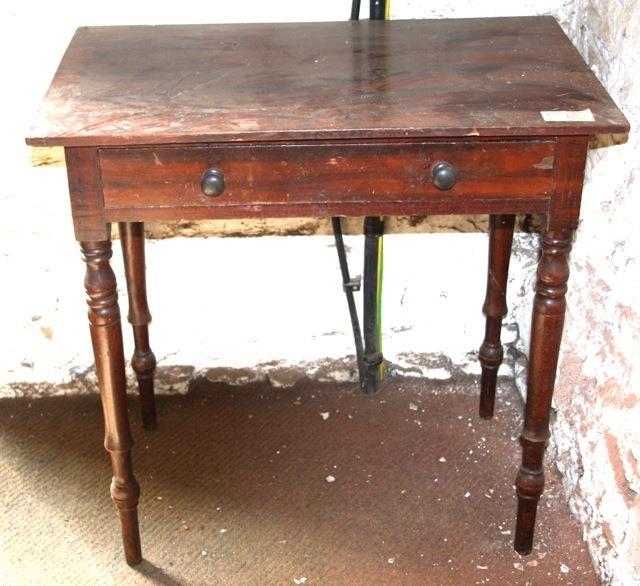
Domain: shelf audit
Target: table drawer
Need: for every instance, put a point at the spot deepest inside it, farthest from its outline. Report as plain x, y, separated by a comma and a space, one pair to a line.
294, 174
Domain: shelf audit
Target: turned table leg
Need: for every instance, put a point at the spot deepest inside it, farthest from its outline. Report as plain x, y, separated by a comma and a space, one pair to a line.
495, 308
143, 360
106, 337
548, 319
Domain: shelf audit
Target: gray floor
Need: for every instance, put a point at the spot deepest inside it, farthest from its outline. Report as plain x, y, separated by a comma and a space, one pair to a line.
235, 491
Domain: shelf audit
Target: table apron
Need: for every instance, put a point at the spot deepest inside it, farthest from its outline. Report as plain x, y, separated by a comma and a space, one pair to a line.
161, 214
280, 180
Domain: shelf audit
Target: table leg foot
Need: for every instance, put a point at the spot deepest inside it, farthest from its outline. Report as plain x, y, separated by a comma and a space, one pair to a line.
147, 396
143, 360
106, 337
529, 487
495, 308
549, 307
125, 493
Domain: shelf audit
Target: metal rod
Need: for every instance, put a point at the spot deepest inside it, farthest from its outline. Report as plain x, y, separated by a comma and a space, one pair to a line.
369, 358
355, 10
377, 9
373, 230
349, 285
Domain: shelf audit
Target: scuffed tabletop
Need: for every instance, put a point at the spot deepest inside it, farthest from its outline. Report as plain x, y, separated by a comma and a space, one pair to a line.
338, 80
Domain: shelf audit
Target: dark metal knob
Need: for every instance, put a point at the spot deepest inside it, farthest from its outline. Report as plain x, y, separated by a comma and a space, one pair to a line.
444, 175
212, 182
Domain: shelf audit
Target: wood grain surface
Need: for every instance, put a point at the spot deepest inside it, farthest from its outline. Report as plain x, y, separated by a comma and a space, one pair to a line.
368, 79
277, 174
324, 119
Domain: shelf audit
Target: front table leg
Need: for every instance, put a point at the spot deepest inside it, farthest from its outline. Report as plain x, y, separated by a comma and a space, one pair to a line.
548, 319
106, 337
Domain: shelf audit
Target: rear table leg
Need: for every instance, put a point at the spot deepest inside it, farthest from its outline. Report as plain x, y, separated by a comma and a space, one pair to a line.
143, 361
495, 308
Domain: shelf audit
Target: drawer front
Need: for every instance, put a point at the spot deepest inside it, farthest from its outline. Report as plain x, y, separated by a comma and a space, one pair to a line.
281, 175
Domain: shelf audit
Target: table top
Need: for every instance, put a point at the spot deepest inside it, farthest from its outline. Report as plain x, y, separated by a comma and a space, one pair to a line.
339, 80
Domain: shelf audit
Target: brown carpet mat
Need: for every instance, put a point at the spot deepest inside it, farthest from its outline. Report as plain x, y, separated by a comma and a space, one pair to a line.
316, 484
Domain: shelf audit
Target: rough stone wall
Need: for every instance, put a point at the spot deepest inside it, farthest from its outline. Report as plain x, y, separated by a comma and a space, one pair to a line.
597, 429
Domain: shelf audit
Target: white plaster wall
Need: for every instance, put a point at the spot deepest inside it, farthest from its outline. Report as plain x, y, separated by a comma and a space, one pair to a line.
433, 292
279, 299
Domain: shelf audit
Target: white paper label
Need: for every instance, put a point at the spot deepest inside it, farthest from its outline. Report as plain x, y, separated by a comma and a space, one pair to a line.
568, 115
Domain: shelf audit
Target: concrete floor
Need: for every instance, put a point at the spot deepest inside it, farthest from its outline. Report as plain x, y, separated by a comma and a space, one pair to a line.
315, 484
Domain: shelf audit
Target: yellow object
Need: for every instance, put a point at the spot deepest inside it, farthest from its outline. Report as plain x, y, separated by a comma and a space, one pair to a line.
379, 299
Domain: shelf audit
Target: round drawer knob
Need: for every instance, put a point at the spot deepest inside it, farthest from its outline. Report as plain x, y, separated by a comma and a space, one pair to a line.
212, 183
444, 175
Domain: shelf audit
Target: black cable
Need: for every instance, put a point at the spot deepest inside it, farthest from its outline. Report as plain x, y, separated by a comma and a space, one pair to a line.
349, 285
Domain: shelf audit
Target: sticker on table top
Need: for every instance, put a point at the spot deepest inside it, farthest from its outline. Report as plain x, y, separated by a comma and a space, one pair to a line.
568, 115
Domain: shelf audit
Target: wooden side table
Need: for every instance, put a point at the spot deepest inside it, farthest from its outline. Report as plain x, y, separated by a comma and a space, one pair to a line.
343, 119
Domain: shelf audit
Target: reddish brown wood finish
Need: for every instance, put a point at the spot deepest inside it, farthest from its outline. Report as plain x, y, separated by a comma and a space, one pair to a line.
546, 333
571, 157
450, 206
303, 173
85, 190
548, 318
143, 360
106, 336
495, 308
317, 120
368, 79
